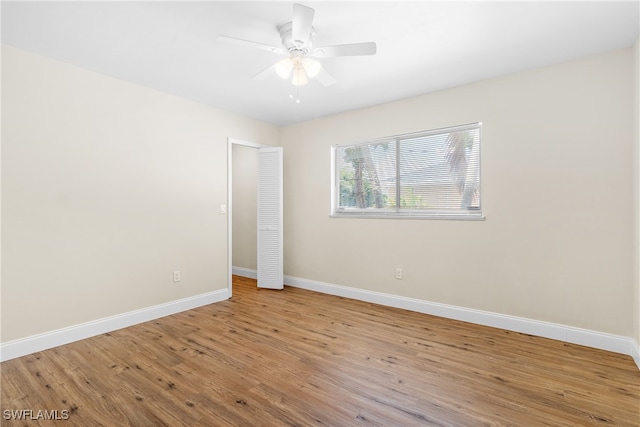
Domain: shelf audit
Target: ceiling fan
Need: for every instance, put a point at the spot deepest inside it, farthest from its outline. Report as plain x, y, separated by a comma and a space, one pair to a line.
297, 42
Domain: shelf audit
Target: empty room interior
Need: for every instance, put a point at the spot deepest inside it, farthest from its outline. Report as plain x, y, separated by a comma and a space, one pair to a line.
324, 213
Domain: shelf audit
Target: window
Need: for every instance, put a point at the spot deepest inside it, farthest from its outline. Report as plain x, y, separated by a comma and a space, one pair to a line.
431, 174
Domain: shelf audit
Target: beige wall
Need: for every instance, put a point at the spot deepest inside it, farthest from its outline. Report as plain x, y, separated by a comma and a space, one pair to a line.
107, 188
245, 179
636, 137
556, 178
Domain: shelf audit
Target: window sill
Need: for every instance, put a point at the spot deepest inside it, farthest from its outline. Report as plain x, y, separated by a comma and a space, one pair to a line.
475, 217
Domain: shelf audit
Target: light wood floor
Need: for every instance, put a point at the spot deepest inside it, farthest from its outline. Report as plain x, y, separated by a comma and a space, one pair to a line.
299, 358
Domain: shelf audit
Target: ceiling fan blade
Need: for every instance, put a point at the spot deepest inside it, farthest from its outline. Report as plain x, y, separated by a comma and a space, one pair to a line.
302, 23
267, 72
325, 78
247, 43
354, 49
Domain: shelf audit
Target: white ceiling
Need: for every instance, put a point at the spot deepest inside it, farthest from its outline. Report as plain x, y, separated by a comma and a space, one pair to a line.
423, 46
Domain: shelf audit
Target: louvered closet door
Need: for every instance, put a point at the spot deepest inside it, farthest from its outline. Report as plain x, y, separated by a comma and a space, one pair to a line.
270, 271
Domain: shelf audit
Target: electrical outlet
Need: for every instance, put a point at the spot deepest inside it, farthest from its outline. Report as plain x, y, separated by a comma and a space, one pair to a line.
176, 276
398, 273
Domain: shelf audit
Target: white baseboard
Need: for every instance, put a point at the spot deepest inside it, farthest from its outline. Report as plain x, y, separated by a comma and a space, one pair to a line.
635, 352
603, 341
245, 272
609, 342
21, 347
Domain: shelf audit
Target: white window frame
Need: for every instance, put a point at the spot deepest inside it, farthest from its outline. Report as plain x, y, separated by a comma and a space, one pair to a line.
403, 213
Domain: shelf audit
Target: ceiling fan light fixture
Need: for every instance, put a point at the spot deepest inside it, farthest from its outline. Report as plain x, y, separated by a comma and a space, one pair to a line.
283, 68
311, 67
299, 77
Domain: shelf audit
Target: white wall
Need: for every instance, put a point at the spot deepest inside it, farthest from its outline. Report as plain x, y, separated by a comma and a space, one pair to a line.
556, 179
107, 188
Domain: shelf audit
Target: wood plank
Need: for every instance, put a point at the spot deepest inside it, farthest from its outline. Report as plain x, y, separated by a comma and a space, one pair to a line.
295, 357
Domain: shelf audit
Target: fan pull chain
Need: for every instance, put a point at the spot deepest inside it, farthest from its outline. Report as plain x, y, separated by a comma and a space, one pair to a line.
296, 99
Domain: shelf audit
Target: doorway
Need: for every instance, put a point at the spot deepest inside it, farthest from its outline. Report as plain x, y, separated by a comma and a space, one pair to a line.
254, 234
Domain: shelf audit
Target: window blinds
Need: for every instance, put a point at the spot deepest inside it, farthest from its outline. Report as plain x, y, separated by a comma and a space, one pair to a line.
426, 174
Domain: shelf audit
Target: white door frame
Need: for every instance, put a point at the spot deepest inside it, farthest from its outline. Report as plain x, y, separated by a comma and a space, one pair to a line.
230, 142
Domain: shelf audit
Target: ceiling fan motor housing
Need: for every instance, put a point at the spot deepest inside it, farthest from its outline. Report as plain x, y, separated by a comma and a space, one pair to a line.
295, 47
